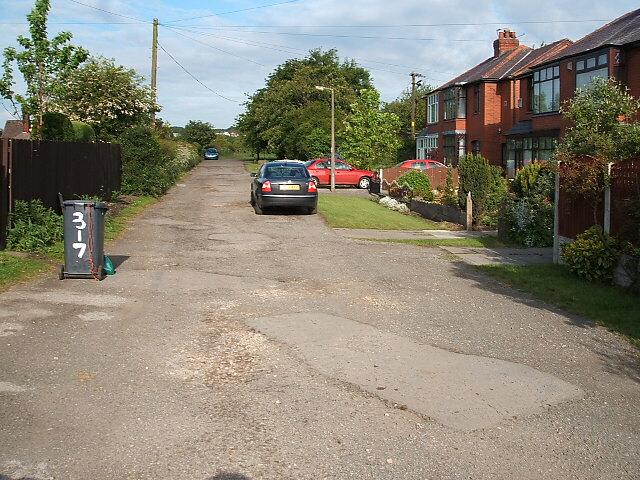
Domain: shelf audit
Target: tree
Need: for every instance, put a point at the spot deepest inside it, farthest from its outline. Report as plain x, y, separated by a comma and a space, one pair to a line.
289, 117
604, 130
371, 136
201, 133
402, 108
109, 97
45, 65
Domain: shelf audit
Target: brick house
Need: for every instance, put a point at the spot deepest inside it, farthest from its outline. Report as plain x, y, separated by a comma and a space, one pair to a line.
507, 107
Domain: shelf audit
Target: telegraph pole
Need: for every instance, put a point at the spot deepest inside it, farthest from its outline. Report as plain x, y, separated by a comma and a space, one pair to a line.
414, 75
154, 68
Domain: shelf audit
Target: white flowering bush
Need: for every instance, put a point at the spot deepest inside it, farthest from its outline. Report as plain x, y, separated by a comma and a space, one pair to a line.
109, 97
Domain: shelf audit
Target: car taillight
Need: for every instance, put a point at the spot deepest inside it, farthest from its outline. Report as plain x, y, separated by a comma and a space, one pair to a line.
312, 186
266, 186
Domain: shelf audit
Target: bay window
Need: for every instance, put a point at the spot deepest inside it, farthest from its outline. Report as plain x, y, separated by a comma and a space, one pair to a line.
588, 68
432, 108
455, 103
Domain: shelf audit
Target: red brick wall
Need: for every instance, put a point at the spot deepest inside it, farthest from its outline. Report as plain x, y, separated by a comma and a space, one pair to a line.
632, 67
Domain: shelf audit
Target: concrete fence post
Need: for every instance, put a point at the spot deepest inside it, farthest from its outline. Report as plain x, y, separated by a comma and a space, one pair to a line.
556, 219
381, 179
606, 226
469, 211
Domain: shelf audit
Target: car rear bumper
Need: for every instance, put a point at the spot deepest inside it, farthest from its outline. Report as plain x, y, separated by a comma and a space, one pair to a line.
307, 201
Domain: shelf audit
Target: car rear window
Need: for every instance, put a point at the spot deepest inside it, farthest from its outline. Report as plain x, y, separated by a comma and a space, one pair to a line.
286, 171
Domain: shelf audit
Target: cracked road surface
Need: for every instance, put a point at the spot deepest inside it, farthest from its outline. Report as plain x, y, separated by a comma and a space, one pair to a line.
236, 346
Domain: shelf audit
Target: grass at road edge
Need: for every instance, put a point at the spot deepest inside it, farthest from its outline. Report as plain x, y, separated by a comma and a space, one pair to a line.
18, 268
15, 269
471, 242
343, 211
606, 305
115, 225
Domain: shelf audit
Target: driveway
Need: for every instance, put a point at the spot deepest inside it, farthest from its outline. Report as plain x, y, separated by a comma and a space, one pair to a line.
237, 346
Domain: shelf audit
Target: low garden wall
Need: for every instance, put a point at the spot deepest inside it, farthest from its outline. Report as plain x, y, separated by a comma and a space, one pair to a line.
438, 212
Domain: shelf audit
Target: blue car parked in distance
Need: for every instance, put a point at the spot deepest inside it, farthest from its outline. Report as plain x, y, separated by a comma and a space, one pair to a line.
211, 154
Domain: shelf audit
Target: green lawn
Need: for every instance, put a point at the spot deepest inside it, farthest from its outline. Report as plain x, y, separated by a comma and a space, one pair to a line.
473, 242
15, 269
609, 306
345, 211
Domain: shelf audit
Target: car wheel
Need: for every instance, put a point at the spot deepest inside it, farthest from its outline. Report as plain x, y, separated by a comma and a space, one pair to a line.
364, 182
252, 202
312, 210
257, 208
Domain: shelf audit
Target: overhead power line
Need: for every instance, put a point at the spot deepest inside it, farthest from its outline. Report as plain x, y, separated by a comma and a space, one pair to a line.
194, 77
405, 25
234, 11
109, 12
213, 47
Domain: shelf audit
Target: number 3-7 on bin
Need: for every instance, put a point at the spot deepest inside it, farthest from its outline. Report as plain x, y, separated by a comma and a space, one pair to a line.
78, 220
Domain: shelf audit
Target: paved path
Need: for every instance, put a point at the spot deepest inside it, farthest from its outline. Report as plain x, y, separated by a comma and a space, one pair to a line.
237, 346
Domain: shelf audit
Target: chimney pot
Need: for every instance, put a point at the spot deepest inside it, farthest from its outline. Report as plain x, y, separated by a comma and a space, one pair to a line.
507, 41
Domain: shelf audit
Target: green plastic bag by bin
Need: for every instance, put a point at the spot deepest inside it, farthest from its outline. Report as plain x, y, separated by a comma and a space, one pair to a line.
108, 266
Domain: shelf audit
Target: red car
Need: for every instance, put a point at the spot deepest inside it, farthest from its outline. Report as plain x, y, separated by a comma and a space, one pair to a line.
320, 170
421, 164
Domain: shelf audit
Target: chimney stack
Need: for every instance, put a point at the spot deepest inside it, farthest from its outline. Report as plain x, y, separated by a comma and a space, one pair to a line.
506, 42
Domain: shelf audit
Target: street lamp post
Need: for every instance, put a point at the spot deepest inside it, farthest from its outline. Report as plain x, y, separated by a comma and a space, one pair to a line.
333, 134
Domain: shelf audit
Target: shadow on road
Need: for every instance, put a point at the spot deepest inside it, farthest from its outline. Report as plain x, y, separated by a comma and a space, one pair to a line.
118, 260
616, 359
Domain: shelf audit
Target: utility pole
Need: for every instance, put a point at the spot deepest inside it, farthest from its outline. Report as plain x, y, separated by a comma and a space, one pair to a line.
154, 68
414, 84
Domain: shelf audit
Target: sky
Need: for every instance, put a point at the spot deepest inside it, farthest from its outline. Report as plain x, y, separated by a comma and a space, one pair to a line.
230, 47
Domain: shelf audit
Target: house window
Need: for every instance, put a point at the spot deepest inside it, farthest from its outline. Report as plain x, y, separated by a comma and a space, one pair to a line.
476, 99
455, 103
546, 90
454, 147
522, 151
426, 145
432, 108
475, 147
588, 68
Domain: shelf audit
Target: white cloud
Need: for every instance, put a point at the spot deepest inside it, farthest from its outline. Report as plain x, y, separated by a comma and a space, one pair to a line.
232, 75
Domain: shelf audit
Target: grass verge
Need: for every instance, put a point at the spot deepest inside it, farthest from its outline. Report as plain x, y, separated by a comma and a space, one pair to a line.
252, 166
343, 211
115, 225
607, 305
472, 242
15, 269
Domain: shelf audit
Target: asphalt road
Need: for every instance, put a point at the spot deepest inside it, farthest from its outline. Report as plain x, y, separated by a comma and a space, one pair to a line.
236, 346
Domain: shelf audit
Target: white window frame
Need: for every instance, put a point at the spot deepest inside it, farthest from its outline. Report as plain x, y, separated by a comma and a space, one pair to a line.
425, 145
432, 108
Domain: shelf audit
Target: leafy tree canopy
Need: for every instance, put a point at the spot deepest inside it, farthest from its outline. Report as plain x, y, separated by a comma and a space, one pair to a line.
290, 117
604, 123
201, 133
109, 97
371, 136
44, 64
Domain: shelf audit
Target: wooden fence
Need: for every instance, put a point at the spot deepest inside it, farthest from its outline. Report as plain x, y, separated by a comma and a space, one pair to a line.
437, 176
575, 215
33, 170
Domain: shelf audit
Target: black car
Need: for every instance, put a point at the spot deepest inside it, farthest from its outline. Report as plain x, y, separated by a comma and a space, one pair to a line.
210, 154
284, 183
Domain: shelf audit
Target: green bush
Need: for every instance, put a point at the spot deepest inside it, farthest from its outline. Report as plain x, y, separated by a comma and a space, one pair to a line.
486, 184
146, 169
418, 184
593, 255
529, 221
33, 227
83, 132
58, 127
535, 179
449, 194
